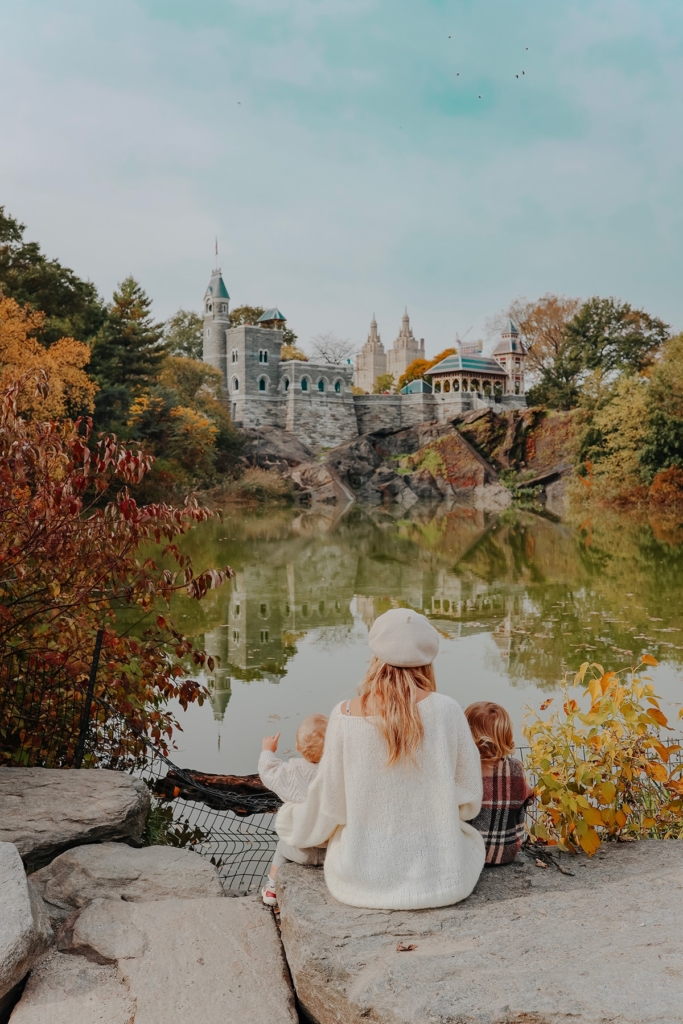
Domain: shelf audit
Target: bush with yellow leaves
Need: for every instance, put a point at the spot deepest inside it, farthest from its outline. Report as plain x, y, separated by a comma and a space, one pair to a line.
601, 766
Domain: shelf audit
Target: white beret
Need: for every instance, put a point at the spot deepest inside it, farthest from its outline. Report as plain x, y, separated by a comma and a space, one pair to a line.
404, 638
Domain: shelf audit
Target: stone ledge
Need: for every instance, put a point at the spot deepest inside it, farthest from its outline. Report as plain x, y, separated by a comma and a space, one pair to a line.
530, 944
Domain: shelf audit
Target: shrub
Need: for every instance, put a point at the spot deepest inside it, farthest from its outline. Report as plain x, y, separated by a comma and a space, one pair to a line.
258, 484
604, 772
667, 487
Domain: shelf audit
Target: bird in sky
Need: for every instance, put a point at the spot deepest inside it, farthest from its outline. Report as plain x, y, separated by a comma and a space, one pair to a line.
457, 75
480, 97
516, 76
523, 72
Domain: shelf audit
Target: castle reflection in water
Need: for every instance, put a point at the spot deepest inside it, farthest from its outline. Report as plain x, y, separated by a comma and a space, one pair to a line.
467, 574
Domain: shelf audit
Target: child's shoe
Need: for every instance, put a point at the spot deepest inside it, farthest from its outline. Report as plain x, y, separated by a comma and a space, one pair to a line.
268, 894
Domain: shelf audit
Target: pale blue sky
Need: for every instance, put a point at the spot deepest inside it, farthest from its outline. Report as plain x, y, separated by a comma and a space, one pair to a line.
344, 164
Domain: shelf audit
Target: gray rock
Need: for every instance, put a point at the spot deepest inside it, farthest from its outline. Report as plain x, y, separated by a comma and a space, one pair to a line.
530, 944
71, 990
218, 961
25, 931
44, 811
117, 871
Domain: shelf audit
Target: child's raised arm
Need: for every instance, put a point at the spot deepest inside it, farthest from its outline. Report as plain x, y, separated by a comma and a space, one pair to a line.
270, 743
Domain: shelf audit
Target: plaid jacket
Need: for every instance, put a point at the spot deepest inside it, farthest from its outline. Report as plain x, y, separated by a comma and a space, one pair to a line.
501, 819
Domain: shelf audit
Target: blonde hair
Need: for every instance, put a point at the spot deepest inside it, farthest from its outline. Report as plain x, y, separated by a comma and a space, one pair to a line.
491, 728
310, 737
390, 694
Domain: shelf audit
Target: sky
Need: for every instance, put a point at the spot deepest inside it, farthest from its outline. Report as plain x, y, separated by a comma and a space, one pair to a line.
352, 156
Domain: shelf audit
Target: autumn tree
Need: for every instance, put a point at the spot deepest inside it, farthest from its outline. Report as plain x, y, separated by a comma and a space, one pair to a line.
74, 550
384, 383
183, 334
72, 307
417, 369
288, 352
70, 389
542, 324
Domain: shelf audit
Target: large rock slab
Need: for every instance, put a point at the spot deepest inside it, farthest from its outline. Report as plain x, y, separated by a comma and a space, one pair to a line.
70, 990
218, 961
25, 932
44, 811
531, 944
117, 871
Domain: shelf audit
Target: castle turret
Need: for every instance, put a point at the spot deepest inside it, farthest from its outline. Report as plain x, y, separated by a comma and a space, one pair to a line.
216, 323
371, 361
511, 355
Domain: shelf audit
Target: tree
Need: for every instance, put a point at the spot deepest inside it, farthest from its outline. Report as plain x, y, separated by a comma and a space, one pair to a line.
127, 353
288, 352
417, 369
383, 384
328, 348
663, 444
72, 307
183, 333
542, 325
71, 390
612, 444
70, 561
245, 315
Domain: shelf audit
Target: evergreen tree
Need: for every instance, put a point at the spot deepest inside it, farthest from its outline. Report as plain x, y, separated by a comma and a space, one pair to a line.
72, 307
128, 351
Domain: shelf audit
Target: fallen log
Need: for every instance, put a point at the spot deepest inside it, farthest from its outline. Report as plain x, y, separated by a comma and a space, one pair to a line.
241, 794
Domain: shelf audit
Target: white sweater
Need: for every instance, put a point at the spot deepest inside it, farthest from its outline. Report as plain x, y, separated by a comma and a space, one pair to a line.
398, 837
287, 779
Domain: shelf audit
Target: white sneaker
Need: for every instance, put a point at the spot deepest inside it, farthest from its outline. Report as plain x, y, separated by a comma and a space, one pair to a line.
268, 895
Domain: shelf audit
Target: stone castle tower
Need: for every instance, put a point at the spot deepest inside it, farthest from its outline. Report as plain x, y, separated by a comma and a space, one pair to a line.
511, 355
371, 361
406, 348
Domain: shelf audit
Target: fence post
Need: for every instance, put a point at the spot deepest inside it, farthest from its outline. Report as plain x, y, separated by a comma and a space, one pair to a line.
85, 716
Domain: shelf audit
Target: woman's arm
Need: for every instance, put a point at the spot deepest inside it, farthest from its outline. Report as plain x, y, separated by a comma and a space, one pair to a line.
468, 778
312, 823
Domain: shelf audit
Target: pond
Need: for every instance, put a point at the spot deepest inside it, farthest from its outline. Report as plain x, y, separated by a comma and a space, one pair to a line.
519, 601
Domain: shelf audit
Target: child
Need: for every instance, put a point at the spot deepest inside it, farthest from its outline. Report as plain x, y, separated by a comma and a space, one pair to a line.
290, 781
506, 791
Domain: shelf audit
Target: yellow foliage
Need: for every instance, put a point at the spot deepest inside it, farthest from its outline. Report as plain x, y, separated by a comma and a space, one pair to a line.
70, 392
601, 766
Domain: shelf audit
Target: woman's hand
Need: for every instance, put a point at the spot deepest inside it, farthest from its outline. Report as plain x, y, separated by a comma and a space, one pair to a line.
270, 743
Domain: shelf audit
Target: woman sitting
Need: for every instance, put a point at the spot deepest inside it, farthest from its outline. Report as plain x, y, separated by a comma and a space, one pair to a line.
399, 781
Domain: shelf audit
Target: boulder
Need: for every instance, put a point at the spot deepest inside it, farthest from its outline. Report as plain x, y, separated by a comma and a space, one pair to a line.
602, 943
25, 931
272, 448
44, 811
71, 990
218, 961
117, 871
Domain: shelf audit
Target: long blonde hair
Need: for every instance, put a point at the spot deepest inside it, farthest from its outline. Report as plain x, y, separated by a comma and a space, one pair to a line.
390, 694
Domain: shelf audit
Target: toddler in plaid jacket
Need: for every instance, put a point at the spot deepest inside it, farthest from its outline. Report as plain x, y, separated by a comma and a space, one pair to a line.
507, 794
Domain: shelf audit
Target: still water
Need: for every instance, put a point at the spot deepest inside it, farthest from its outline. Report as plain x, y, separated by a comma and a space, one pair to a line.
519, 601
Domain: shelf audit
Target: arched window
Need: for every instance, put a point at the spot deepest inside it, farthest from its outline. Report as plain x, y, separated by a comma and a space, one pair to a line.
464, 384
263, 355
337, 387
262, 384
446, 386
321, 385
516, 387
304, 383
437, 387
235, 384
285, 383
498, 388
474, 385
456, 385
487, 387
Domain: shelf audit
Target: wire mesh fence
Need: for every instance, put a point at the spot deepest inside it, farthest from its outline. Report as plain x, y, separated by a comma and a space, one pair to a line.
52, 719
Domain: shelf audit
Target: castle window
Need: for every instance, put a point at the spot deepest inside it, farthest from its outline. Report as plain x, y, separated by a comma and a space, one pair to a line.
236, 635
263, 355
235, 384
262, 384
237, 610
474, 385
337, 387
265, 636
516, 387
321, 385
304, 384
263, 611
446, 386
286, 383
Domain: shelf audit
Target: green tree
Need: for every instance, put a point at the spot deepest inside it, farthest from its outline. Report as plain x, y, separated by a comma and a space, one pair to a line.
183, 334
127, 353
663, 445
72, 307
245, 315
385, 382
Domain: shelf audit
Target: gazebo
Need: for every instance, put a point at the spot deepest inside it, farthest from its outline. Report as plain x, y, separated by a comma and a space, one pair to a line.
468, 371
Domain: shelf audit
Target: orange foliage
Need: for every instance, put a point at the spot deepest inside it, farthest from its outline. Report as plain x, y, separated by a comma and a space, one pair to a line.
70, 388
419, 367
667, 487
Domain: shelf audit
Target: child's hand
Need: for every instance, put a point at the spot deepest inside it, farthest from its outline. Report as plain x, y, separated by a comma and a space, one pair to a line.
270, 743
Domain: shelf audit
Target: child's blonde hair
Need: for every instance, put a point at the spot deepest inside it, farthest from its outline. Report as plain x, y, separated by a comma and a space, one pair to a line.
491, 727
310, 737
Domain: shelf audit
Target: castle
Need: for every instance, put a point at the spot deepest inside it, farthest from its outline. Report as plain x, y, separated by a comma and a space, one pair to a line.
314, 401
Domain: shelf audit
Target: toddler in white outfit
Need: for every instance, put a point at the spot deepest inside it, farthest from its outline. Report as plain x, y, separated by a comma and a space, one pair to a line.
290, 781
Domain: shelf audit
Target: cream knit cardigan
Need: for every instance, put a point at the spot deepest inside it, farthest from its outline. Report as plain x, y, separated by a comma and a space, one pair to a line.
399, 837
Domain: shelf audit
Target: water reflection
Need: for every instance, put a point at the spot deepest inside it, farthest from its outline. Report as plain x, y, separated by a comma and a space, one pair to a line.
548, 595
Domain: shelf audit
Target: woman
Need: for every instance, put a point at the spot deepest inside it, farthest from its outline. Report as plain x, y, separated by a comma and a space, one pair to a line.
399, 779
